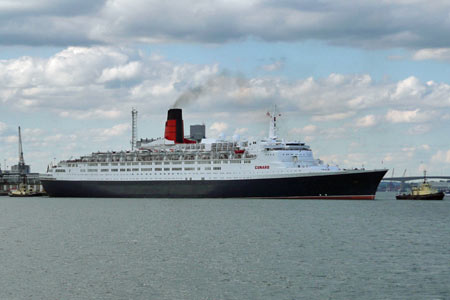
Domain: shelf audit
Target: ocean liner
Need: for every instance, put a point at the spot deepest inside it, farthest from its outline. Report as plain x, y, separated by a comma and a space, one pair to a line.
179, 167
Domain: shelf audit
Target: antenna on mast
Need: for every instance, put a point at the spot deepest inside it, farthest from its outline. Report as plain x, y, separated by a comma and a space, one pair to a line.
273, 122
133, 128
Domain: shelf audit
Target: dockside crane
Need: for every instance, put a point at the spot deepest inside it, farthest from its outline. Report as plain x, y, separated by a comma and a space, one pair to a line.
21, 165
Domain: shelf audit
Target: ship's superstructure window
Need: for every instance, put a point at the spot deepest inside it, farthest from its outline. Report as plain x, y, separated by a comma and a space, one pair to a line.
60, 170
207, 168
146, 169
177, 169
166, 169
92, 164
114, 164
247, 161
158, 169
189, 162
92, 170
114, 170
135, 169
189, 169
158, 163
122, 170
104, 164
217, 168
104, 170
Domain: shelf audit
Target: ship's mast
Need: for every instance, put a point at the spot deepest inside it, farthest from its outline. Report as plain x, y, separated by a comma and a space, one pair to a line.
133, 128
273, 132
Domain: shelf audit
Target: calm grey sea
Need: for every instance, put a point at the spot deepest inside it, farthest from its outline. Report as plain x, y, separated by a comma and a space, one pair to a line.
59, 248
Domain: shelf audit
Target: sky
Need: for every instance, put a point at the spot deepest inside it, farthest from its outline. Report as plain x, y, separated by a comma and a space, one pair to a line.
364, 83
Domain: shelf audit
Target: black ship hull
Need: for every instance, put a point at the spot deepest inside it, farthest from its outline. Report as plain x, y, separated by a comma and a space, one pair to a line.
434, 196
345, 185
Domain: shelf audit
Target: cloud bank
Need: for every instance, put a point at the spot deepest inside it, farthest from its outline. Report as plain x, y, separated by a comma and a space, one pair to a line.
95, 82
366, 24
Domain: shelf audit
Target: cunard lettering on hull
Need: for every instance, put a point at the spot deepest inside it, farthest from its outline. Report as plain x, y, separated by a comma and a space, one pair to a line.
194, 166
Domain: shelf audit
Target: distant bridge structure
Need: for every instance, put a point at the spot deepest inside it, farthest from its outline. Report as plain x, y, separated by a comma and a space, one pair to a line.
410, 178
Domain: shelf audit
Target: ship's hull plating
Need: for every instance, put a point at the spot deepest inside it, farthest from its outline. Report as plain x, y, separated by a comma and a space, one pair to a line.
358, 185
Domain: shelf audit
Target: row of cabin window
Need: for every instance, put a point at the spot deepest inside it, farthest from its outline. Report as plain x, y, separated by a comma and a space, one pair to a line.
142, 169
165, 163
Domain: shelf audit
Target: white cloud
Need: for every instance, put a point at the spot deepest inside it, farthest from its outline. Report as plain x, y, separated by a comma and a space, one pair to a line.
116, 130
409, 151
276, 65
307, 130
11, 139
241, 131
388, 157
441, 156
425, 147
55, 138
333, 117
419, 129
442, 54
96, 114
100, 135
409, 87
3, 127
219, 127
405, 116
366, 121
124, 72
35, 132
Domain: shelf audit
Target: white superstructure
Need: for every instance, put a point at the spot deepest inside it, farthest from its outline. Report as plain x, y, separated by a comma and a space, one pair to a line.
166, 160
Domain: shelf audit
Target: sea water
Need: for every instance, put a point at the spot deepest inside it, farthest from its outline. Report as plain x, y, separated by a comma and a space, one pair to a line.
67, 248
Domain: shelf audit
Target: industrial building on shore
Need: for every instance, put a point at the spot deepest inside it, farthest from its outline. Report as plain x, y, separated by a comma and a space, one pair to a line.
19, 174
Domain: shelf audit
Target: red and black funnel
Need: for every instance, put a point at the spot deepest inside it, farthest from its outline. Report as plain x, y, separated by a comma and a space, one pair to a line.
174, 125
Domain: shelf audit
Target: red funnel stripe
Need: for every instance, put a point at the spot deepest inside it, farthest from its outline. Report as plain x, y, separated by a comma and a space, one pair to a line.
171, 130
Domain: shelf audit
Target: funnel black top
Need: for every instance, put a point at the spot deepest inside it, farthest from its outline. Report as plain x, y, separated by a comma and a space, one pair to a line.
174, 114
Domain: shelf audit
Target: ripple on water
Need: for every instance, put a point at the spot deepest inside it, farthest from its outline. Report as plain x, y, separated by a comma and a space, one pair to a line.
224, 249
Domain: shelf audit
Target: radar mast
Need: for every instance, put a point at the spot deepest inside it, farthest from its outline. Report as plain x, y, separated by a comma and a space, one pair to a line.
273, 131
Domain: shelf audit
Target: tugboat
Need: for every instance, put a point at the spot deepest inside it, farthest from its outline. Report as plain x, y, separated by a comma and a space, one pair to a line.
424, 192
22, 191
